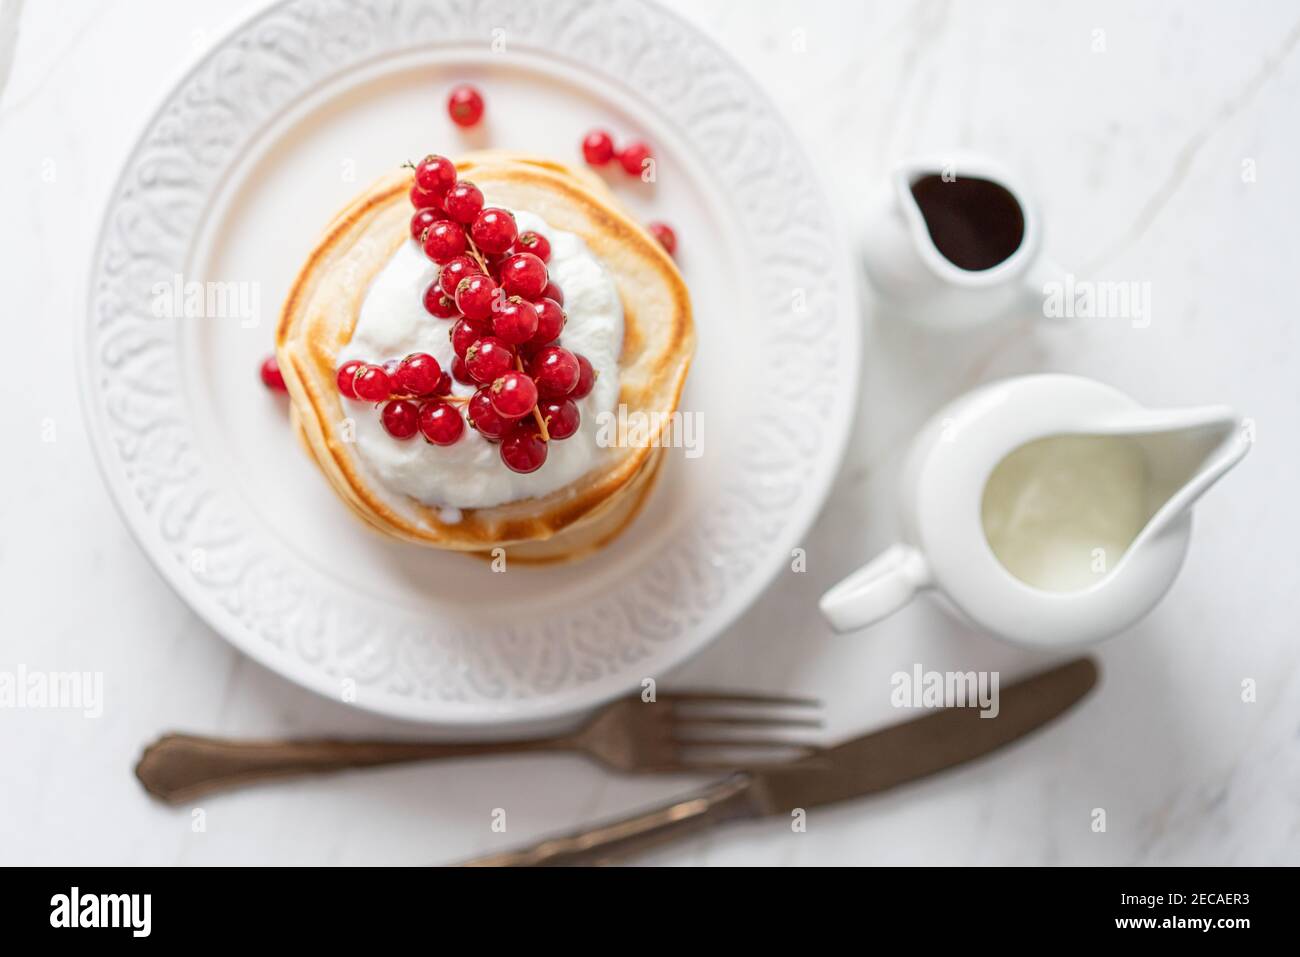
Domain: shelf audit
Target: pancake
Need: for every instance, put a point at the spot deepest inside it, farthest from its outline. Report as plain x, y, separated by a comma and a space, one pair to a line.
321, 313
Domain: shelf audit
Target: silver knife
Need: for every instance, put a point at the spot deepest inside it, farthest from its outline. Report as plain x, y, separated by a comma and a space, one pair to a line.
865, 765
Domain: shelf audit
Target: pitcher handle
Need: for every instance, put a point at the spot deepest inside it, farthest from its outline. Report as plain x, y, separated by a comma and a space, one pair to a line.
877, 589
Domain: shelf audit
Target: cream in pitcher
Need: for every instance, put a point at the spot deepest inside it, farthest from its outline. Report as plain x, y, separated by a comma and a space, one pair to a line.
1050, 509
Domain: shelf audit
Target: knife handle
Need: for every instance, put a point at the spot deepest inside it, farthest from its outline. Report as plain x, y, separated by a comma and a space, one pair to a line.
729, 800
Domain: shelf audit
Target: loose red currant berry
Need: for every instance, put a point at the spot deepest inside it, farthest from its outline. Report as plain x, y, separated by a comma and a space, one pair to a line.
552, 291
437, 303
550, 322
435, 175
347, 375
485, 419
635, 157
667, 238
463, 202
271, 376
586, 379
444, 241
465, 105
441, 422
453, 271
422, 220
523, 274
460, 372
522, 450
515, 321
465, 333
488, 358
400, 418
475, 297
535, 243
562, 418
598, 147
513, 395
444, 384
372, 384
494, 230
422, 200
418, 374
555, 370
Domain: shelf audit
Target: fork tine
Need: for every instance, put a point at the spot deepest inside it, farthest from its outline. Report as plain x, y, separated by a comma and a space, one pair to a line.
749, 744
740, 721
726, 697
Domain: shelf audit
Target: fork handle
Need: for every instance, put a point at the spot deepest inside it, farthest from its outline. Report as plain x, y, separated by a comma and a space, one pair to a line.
178, 767
729, 800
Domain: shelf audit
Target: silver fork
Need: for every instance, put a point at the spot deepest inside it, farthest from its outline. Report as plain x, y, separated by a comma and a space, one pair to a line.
678, 733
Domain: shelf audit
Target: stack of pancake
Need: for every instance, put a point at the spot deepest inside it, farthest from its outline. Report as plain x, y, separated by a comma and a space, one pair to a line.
321, 312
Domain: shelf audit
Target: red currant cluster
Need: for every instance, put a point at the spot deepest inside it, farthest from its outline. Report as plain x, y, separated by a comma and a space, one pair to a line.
508, 316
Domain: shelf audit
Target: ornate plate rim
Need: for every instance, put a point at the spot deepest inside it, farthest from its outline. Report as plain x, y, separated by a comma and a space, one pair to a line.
425, 710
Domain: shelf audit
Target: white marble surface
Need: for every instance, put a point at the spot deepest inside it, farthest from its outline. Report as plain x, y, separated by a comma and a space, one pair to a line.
1136, 154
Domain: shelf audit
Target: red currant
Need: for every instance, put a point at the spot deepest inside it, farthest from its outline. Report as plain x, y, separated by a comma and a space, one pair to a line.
271, 376
422, 220
475, 297
535, 243
372, 384
346, 377
485, 419
552, 291
667, 238
515, 321
488, 358
555, 370
444, 384
465, 105
522, 449
400, 418
453, 271
634, 158
598, 147
562, 418
435, 175
523, 274
464, 334
444, 241
513, 395
441, 422
437, 303
422, 200
418, 374
586, 379
550, 322
494, 230
460, 372
463, 202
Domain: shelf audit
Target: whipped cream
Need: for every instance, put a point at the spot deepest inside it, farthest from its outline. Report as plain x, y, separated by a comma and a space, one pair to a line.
470, 474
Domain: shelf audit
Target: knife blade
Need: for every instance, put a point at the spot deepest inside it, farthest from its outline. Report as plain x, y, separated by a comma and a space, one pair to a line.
858, 767
926, 745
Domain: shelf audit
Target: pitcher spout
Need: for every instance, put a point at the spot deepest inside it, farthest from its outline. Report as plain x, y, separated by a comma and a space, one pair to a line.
1186, 451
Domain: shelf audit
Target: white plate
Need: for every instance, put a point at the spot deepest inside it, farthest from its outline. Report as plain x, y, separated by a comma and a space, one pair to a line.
233, 180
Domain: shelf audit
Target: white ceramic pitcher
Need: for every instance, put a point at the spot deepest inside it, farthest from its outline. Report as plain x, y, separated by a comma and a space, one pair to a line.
945, 546
918, 282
